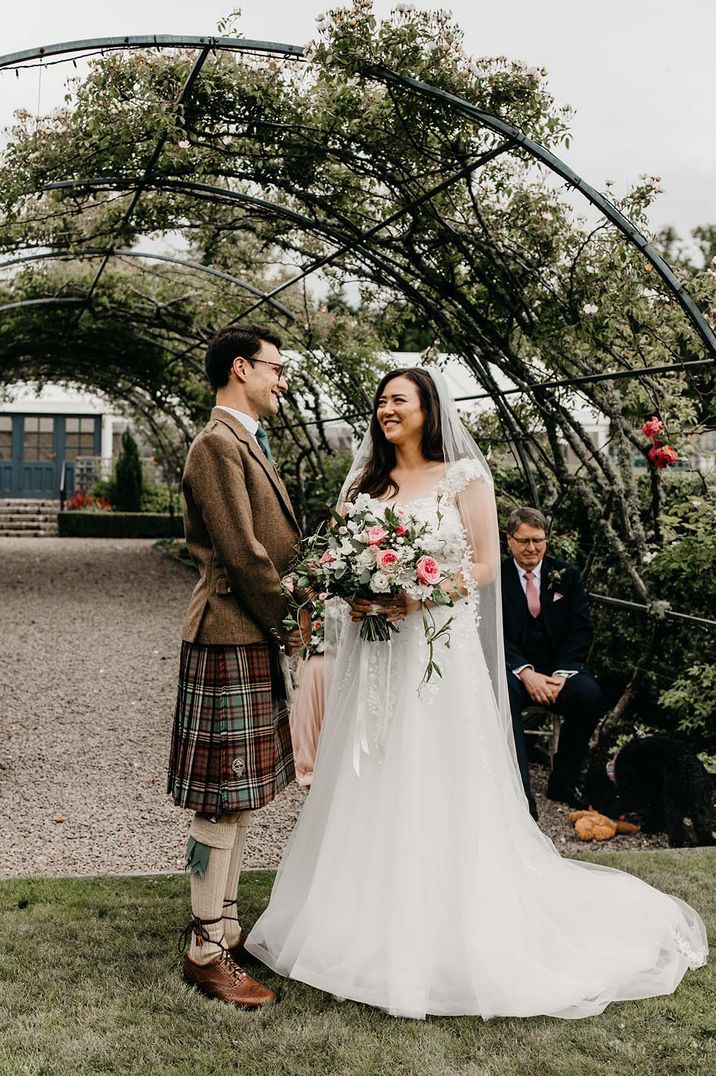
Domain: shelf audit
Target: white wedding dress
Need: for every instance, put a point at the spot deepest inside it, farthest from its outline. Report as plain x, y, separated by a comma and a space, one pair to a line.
421, 884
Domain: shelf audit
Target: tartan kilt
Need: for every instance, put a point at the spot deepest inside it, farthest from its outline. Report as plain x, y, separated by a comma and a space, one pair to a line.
231, 741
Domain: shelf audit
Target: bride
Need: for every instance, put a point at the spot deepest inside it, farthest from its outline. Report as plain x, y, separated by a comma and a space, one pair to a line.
415, 879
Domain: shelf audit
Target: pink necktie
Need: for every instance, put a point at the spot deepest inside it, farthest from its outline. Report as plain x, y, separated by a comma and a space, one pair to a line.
532, 594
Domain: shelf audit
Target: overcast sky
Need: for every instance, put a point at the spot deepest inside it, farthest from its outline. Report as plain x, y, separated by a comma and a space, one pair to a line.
640, 74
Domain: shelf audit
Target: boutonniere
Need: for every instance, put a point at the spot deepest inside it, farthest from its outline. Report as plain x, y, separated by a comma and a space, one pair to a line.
554, 579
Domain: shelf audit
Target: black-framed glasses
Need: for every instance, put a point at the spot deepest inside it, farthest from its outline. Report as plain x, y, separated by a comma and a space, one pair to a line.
279, 368
524, 542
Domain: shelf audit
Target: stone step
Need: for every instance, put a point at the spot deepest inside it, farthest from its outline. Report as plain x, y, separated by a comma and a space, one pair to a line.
27, 502
28, 534
23, 523
26, 518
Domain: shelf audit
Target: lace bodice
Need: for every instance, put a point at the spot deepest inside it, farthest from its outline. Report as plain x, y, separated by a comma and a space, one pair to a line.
439, 508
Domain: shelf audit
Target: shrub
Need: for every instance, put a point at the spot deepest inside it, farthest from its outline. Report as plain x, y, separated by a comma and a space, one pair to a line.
155, 498
128, 479
119, 525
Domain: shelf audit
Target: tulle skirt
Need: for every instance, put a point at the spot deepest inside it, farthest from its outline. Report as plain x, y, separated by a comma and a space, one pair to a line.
420, 884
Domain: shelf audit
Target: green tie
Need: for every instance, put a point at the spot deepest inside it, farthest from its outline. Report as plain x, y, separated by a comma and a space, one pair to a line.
262, 438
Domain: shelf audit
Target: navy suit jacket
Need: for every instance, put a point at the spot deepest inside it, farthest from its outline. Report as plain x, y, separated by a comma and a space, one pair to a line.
567, 621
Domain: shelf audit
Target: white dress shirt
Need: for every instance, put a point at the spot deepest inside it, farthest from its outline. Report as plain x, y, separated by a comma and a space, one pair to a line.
250, 423
537, 573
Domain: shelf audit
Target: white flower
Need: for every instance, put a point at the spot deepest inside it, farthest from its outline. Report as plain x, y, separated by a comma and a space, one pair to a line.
366, 559
590, 308
380, 584
184, 144
345, 548
648, 557
321, 21
404, 9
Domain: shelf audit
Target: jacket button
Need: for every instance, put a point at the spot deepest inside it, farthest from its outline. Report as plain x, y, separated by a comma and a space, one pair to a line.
238, 766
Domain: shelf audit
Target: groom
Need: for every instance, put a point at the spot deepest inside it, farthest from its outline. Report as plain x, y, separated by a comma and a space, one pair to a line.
231, 743
548, 632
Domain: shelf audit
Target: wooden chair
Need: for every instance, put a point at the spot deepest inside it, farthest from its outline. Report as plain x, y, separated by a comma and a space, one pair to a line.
544, 724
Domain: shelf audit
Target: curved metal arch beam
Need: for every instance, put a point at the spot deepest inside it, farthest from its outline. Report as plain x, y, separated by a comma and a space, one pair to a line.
181, 186
47, 301
151, 41
101, 252
385, 74
546, 157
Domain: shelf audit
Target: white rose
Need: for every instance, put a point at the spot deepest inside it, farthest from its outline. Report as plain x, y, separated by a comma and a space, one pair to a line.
366, 559
590, 308
380, 584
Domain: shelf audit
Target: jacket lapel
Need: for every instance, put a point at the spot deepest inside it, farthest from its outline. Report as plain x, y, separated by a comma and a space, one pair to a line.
254, 448
545, 595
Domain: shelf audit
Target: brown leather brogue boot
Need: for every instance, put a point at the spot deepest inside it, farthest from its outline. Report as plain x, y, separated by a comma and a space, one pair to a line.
222, 978
239, 952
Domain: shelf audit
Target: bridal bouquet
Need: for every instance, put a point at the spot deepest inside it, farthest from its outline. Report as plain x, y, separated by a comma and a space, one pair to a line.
370, 553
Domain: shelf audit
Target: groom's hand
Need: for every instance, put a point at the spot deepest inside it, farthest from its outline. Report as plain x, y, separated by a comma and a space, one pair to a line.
300, 636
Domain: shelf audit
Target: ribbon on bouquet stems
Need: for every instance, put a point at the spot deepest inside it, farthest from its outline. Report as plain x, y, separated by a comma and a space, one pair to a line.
368, 703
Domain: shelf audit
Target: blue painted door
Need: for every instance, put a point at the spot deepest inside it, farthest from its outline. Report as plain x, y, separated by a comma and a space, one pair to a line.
7, 466
34, 447
37, 465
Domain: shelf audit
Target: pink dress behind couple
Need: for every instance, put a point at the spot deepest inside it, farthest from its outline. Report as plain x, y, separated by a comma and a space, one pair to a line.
307, 717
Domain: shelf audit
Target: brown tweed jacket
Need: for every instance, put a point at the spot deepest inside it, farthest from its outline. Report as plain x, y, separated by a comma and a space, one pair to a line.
241, 530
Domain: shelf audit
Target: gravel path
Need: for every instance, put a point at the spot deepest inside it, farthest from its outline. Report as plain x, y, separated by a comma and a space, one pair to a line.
89, 637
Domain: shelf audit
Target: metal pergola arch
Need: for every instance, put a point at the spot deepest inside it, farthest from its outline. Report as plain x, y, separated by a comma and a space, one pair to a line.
515, 138
386, 75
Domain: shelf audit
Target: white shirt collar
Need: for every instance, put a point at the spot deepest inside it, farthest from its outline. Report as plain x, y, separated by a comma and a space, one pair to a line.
536, 571
250, 423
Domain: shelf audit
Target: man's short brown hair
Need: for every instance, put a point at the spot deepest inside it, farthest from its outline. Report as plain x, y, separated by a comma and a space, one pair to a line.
241, 340
531, 516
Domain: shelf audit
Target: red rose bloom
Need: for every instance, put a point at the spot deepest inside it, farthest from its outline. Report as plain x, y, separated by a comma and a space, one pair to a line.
653, 427
663, 456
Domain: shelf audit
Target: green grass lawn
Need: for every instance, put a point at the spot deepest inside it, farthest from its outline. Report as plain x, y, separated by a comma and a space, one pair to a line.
90, 983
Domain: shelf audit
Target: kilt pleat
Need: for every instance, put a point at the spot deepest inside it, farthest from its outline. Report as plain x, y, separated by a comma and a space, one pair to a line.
231, 740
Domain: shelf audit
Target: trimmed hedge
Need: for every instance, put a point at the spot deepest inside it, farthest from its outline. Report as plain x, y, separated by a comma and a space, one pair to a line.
119, 525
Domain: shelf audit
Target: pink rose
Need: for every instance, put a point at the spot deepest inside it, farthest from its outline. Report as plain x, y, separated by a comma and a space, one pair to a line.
386, 559
400, 530
377, 535
327, 558
662, 457
653, 427
323, 595
427, 571
316, 625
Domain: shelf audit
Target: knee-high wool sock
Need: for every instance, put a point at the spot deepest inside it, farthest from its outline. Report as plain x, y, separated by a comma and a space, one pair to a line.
232, 927
208, 886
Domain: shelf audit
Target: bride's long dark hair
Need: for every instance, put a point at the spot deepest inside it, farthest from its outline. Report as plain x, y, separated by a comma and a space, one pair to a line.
375, 477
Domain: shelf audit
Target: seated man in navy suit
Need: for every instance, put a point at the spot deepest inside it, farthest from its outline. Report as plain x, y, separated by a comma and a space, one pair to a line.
548, 631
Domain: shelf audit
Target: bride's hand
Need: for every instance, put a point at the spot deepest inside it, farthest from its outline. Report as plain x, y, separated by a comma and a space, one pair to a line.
392, 609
